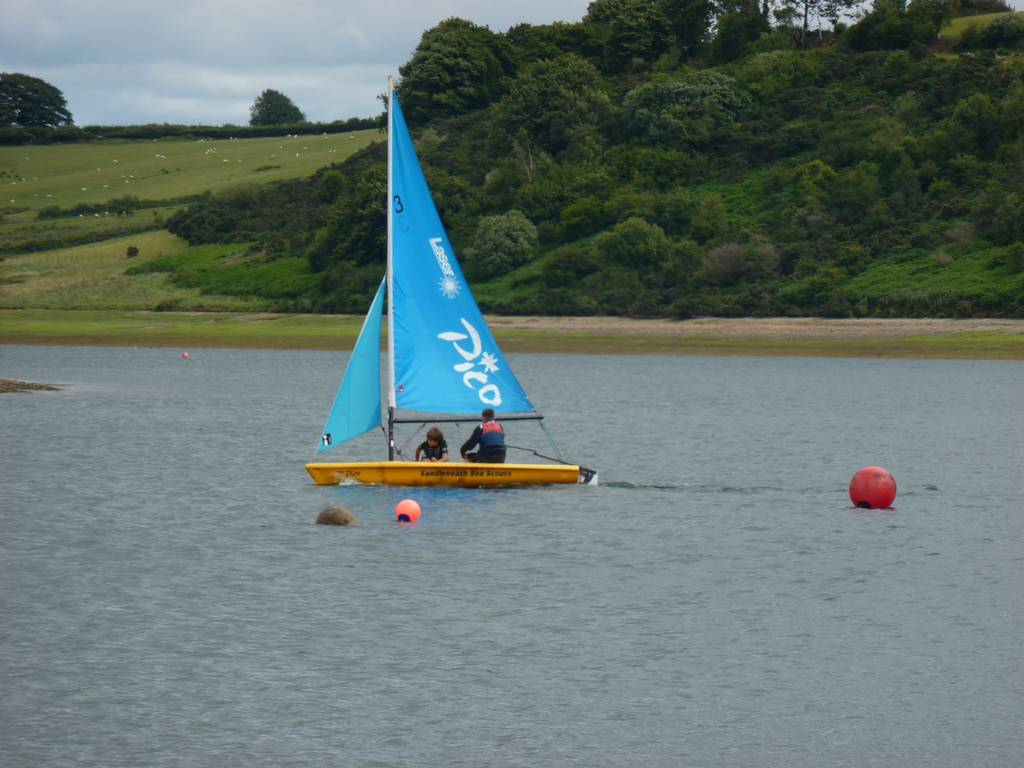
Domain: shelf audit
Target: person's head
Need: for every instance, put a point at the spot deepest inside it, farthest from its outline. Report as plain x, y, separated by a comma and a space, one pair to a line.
488, 414
435, 435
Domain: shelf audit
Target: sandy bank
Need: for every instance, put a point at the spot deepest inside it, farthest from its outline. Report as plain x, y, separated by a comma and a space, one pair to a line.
757, 328
961, 339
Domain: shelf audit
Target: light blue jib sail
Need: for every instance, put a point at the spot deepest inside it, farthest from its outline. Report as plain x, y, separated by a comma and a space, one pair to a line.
356, 408
446, 360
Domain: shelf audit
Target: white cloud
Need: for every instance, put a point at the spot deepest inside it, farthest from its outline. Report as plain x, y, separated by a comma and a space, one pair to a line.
197, 61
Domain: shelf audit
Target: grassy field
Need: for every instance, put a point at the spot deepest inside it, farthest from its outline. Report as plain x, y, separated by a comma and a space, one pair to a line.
93, 277
954, 28
80, 262
18, 237
32, 177
186, 330
165, 275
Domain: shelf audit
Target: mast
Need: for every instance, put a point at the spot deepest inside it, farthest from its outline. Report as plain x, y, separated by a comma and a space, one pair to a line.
390, 279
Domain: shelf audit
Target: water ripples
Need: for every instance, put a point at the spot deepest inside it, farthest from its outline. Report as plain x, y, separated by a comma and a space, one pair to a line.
168, 599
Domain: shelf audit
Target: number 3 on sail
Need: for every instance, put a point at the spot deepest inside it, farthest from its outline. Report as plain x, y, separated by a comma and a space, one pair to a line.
443, 363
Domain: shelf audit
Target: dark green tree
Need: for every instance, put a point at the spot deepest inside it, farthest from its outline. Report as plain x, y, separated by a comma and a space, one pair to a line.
457, 67
1011, 117
356, 231
936, 12
736, 31
1013, 258
28, 101
331, 184
634, 244
889, 26
690, 21
604, 11
532, 42
978, 7
686, 110
637, 32
554, 103
711, 219
637, 36
274, 108
565, 267
502, 243
979, 117
1007, 32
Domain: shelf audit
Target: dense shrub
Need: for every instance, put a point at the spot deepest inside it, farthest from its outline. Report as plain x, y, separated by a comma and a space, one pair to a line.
888, 27
502, 243
684, 111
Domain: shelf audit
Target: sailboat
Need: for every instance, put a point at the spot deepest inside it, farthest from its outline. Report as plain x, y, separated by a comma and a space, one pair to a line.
443, 364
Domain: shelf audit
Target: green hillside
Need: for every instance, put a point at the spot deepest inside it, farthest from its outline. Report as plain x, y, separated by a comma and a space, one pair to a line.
70, 212
656, 158
604, 167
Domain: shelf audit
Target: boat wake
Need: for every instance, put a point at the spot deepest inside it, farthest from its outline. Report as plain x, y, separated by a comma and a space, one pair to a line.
693, 487
713, 488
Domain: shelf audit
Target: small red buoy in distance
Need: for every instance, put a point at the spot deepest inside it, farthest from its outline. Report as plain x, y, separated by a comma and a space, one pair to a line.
185, 355
407, 511
872, 488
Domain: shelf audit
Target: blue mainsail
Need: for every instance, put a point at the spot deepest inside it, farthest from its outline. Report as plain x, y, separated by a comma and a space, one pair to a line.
445, 358
356, 408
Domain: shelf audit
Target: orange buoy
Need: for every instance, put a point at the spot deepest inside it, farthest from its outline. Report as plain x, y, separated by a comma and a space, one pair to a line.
407, 511
185, 355
872, 488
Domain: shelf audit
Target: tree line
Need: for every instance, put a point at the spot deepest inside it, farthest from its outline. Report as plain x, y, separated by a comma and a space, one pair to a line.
33, 111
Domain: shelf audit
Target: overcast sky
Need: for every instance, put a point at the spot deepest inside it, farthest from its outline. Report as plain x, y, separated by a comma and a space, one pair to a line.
205, 61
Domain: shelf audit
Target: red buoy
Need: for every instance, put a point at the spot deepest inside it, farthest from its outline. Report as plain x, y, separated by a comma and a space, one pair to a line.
407, 511
185, 355
872, 488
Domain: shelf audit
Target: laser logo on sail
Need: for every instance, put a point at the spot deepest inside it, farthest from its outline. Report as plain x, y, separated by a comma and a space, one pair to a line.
449, 283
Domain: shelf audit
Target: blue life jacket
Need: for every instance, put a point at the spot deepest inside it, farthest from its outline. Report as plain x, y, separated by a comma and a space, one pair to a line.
492, 438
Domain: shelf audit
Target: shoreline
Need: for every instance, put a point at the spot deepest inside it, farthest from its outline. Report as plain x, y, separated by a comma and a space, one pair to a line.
869, 337
759, 327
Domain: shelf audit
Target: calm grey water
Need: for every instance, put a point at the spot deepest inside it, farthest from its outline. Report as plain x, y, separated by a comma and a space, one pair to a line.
166, 599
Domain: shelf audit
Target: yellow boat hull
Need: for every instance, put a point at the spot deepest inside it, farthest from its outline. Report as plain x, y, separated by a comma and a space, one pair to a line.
450, 474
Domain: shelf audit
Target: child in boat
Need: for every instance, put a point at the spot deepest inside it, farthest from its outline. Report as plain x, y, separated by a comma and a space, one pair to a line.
434, 448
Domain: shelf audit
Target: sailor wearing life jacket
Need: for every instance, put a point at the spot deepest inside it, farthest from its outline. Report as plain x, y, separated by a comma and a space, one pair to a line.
490, 436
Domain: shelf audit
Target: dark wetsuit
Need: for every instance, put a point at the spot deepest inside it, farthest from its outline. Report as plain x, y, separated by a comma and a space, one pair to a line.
426, 451
490, 436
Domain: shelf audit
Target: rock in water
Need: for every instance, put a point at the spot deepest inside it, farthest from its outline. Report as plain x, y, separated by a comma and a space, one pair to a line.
9, 385
336, 515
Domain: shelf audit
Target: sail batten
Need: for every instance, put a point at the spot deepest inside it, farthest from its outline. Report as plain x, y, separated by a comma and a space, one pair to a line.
356, 409
445, 358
